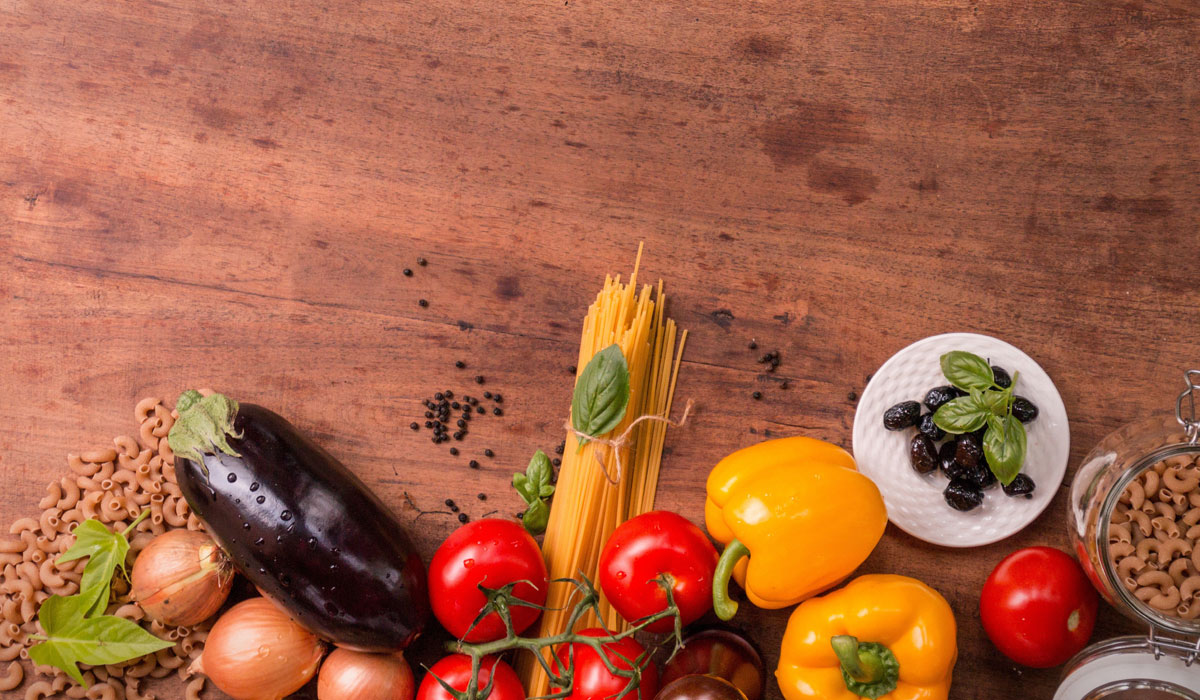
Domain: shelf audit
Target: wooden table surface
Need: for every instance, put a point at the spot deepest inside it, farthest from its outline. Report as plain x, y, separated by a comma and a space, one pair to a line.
225, 194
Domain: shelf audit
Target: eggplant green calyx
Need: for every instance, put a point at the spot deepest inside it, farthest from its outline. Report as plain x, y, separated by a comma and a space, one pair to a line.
869, 669
204, 425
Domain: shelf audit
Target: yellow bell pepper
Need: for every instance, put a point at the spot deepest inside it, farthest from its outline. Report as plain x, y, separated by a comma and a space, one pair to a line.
796, 517
882, 636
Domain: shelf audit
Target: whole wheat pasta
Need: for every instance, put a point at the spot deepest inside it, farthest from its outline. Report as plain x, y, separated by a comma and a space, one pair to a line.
12, 652
131, 690
80, 467
112, 508
1180, 482
1172, 548
11, 612
1167, 599
164, 422
168, 473
1165, 510
142, 668
13, 677
165, 451
49, 521
127, 446
1142, 520
11, 546
11, 558
1165, 525
1146, 593
1189, 587
39, 690
1194, 498
19, 527
1179, 570
42, 544
193, 523
144, 407
167, 659
1119, 533
130, 611
1134, 494
193, 688
146, 434
99, 456
89, 505
1158, 579
101, 691
48, 575
1120, 550
20, 587
125, 477
171, 514
1150, 480
53, 493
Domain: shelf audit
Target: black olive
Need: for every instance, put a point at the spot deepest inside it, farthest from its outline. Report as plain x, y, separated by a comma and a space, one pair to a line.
940, 395
922, 454
967, 452
961, 494
980, 475
929, 429
1020, 486
1023, 409
946, 456
1001, 377
903, 415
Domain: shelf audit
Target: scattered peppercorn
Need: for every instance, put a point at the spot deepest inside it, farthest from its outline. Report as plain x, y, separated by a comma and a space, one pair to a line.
462, 518
422, 262
449, 502
414, 425
474, 464
556, 462
753, 345
407, 272
572, 369
561, 446
487, 394
479, 409
449, 394
422, 303
439, 396
460, 364
482, 496
498, 398
756, 395
497, 411
479, 379
853, 395
458, 435
488, 453
454, 450
784, 385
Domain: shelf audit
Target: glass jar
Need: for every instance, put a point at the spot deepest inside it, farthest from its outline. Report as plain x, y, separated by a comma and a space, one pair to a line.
1164, 663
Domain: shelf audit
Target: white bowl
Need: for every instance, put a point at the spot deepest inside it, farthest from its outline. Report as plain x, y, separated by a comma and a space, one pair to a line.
914, 502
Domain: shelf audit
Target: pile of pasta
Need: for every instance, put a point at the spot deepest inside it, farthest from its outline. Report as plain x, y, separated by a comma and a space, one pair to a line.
114, 485
601, 485
1154, 537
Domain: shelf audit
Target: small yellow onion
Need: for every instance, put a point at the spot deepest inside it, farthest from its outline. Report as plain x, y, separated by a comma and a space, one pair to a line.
357, 675
256, 652
181, 578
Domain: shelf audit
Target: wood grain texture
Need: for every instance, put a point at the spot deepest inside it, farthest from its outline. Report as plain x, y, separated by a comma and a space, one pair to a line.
224, 194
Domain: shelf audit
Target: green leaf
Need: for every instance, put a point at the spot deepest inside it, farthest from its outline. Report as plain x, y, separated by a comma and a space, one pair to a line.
534, 487
1004, 446
993, 402
601, 394
961, 415
95, 641
60, 612
106, 551
536, 517
967, 370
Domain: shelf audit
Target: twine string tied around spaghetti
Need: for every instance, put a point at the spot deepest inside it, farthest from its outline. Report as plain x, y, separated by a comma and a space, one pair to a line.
616, 443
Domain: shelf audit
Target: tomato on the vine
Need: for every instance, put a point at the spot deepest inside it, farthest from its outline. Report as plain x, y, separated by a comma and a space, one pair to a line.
494, 553
654, 543
456, 670
593, 680
1038, 607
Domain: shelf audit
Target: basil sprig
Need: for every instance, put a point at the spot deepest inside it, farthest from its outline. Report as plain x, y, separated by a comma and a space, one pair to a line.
986, 404
76, 629
601, 394
534, 487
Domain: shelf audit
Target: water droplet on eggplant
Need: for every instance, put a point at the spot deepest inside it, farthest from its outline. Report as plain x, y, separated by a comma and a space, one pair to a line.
260, 500
286, 516
231, 478
253, 485
331, 608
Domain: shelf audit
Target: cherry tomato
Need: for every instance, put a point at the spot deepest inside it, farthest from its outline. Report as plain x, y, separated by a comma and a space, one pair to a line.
494, 553
1038, 607
654, 543
456, 670
593, 680
721, 654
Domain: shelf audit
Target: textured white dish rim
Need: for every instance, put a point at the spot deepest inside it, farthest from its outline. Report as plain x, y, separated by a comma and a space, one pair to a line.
885, 459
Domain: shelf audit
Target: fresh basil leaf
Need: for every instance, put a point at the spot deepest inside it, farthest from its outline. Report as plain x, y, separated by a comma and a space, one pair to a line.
993, 402
967, 370
1004, 445
961, 415
521, 484
536, 517
538, 473
96, 641
601, 394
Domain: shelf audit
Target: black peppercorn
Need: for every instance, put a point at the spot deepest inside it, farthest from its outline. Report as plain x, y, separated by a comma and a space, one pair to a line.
422, 303
449, 394
428, 424
422, 262
479, 409
414, 426
474, 464
449, 502
572, 369
439, 396
407, 272
482, 496
487, 394
498, 398
753, 345
756, 395
479, 379
462, 518
784, 385
461, 423
556, 461
497, 411
460, 364
458, 435
455, 406
488, 453
454, 450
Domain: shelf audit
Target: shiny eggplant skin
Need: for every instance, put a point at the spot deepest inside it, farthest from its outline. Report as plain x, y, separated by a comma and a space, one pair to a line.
309, 534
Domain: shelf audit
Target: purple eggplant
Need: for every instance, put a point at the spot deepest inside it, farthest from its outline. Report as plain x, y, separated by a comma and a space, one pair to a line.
298, 524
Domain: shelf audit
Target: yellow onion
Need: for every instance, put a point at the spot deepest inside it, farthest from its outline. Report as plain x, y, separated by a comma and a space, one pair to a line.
357, 675
256, 652
181, 578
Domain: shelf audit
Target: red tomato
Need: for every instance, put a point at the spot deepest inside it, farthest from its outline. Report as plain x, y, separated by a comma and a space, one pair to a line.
456, 670
658, 542
593, 680
1038, 607
494, 553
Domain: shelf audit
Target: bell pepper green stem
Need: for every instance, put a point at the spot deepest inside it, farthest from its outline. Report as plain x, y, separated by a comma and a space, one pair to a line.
724, 606
869, 669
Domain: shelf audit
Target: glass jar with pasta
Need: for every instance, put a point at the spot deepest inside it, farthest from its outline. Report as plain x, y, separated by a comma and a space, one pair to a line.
1134, 521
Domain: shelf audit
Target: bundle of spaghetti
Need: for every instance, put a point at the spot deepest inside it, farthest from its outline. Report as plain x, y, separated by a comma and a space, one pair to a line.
602, 485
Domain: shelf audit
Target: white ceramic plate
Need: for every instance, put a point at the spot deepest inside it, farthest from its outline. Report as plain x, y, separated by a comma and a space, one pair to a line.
915, 502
